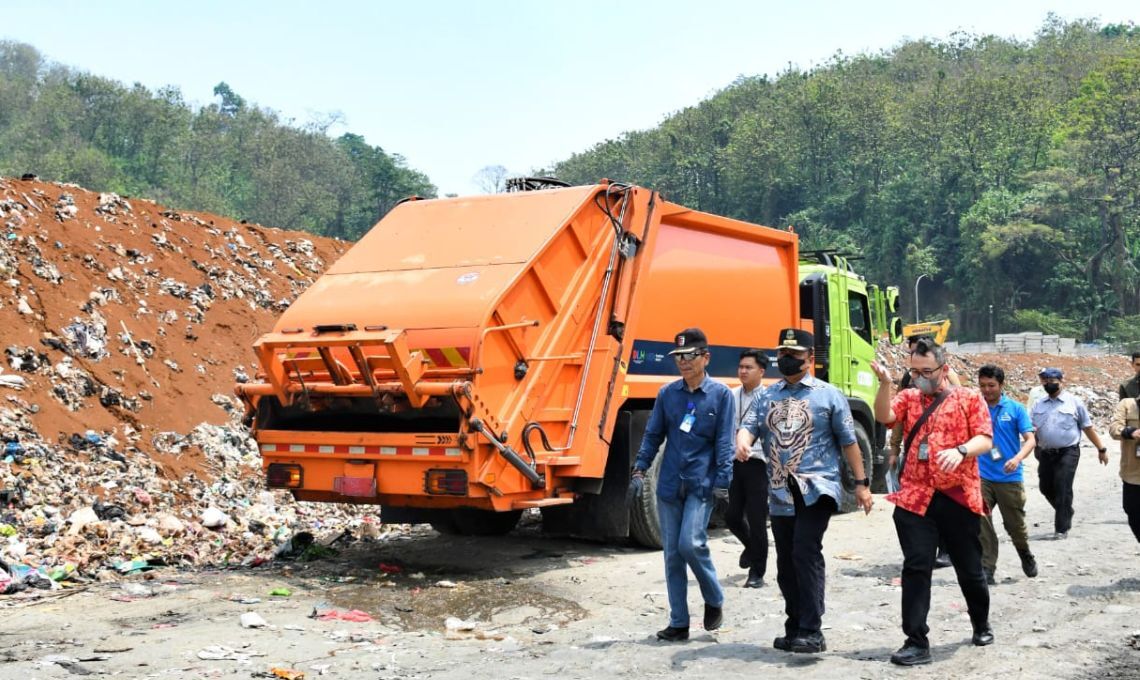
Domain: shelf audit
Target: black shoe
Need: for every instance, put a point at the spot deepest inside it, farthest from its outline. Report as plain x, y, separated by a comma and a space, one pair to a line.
714, 616
911, 655
673, 634
941, 561
808, 643
1028, 563
983, 636
754, 581
990, 580
745, 560
782, 643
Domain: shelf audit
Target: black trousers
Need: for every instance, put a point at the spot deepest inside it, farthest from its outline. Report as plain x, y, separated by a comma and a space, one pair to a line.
918, 537
747, 514
1132, 507
800, 567
1056, 470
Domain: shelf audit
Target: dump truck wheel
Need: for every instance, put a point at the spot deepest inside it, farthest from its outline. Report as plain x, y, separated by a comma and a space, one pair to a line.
472, 522
644, 526
846, 479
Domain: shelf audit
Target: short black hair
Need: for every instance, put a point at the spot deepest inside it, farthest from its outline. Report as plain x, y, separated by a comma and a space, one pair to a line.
757, 354
926, 346
1135, 356
992, 371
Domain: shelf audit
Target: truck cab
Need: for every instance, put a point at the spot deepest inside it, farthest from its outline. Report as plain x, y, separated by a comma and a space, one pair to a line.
848, 316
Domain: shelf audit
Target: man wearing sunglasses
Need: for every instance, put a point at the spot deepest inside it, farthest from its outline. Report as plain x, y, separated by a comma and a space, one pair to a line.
940, 491
694, 417
804, 423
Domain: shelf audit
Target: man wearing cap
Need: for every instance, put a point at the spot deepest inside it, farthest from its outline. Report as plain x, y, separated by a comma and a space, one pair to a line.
1059, 419
803, 422
940, 492
694, 418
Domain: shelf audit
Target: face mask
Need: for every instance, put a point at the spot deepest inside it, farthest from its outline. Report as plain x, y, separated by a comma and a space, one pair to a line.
927, 386
789, 365
1052, 388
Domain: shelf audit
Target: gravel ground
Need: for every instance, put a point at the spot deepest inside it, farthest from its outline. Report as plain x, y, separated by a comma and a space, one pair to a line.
527, 606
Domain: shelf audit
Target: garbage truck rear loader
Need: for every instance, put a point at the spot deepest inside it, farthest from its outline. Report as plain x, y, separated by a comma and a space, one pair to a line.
470, 358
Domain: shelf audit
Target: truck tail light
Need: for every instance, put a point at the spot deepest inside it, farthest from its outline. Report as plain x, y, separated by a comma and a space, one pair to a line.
446, 482
284, 476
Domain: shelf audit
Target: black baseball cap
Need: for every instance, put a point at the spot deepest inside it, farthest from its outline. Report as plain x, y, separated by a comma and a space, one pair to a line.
796, 339
689, 341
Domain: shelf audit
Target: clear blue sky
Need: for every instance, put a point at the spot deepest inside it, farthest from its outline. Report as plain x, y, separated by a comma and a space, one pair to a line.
456, 86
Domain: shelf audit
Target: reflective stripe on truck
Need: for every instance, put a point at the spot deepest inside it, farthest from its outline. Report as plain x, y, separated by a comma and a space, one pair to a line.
361, 450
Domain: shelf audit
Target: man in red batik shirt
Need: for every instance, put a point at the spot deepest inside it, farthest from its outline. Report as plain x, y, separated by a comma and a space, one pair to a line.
940, 492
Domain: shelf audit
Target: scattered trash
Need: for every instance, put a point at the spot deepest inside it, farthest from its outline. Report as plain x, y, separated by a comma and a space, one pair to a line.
287, 673
389, 568
281, 592
446, 584
253, 620
455, 624
354, 615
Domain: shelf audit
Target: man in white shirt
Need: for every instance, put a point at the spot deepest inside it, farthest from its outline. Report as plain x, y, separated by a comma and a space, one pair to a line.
747, 514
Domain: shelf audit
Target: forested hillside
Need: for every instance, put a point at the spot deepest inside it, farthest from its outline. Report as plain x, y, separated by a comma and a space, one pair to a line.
228, 157
1006, 171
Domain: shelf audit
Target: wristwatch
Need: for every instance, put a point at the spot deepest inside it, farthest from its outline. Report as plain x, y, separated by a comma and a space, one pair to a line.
866, 481
962, 450
1102, 449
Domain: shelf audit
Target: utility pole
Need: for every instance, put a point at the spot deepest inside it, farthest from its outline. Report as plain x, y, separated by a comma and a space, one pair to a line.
917, 316
991, 323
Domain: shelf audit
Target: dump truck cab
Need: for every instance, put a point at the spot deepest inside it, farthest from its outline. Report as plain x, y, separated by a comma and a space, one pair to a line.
848, 316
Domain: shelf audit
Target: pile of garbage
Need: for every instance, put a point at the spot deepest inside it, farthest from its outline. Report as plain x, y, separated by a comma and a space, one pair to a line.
1093, 378
126, 326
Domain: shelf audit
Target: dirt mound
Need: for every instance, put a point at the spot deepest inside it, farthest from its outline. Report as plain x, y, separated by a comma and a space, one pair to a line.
125, 327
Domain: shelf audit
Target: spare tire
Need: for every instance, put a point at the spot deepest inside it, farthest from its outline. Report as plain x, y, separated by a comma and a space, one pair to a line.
644, 525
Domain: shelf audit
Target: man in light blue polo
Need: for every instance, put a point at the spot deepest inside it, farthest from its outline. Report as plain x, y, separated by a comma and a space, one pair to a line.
804, 422
695, 418
1001, 471
1059, 419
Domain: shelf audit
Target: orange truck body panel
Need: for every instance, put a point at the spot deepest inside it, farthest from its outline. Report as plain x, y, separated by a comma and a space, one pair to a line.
444, 302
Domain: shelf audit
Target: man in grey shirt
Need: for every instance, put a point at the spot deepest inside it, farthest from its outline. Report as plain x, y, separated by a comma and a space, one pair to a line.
1059, 419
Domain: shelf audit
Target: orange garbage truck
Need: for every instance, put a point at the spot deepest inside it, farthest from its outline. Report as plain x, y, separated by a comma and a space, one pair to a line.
471, 358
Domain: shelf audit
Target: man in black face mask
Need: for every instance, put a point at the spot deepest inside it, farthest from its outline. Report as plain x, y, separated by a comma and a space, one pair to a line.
805, 425
1059, 419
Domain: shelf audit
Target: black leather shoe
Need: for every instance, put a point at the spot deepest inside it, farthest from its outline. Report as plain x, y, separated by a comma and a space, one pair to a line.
808, 643
714, 616
782, 643
990, 580
755, 579
673, 634
941, 561
911, 655
983, 636
1028, 563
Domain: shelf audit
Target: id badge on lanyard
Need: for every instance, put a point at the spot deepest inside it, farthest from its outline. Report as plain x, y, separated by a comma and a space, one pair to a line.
689, 419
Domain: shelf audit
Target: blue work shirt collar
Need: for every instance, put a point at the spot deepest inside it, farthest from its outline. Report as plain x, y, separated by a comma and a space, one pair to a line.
703, 387
808, 380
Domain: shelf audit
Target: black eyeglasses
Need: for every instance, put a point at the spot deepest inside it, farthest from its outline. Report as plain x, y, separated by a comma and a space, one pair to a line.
925, 372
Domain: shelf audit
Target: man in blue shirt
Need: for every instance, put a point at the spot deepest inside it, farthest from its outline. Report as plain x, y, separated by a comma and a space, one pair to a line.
804, 422
694, 417
1002, 472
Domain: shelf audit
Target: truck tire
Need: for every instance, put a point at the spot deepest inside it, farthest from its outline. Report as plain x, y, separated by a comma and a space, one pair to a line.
846, 479
473, 522
644, 526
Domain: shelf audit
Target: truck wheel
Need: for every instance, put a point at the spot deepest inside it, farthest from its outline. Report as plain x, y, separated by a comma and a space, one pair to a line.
846, 479
644, 526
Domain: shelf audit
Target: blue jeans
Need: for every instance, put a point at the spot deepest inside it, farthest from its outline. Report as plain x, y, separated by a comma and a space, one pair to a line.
684, 535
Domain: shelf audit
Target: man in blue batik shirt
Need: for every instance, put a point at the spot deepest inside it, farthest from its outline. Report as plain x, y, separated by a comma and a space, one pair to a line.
694, 416
804, 423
